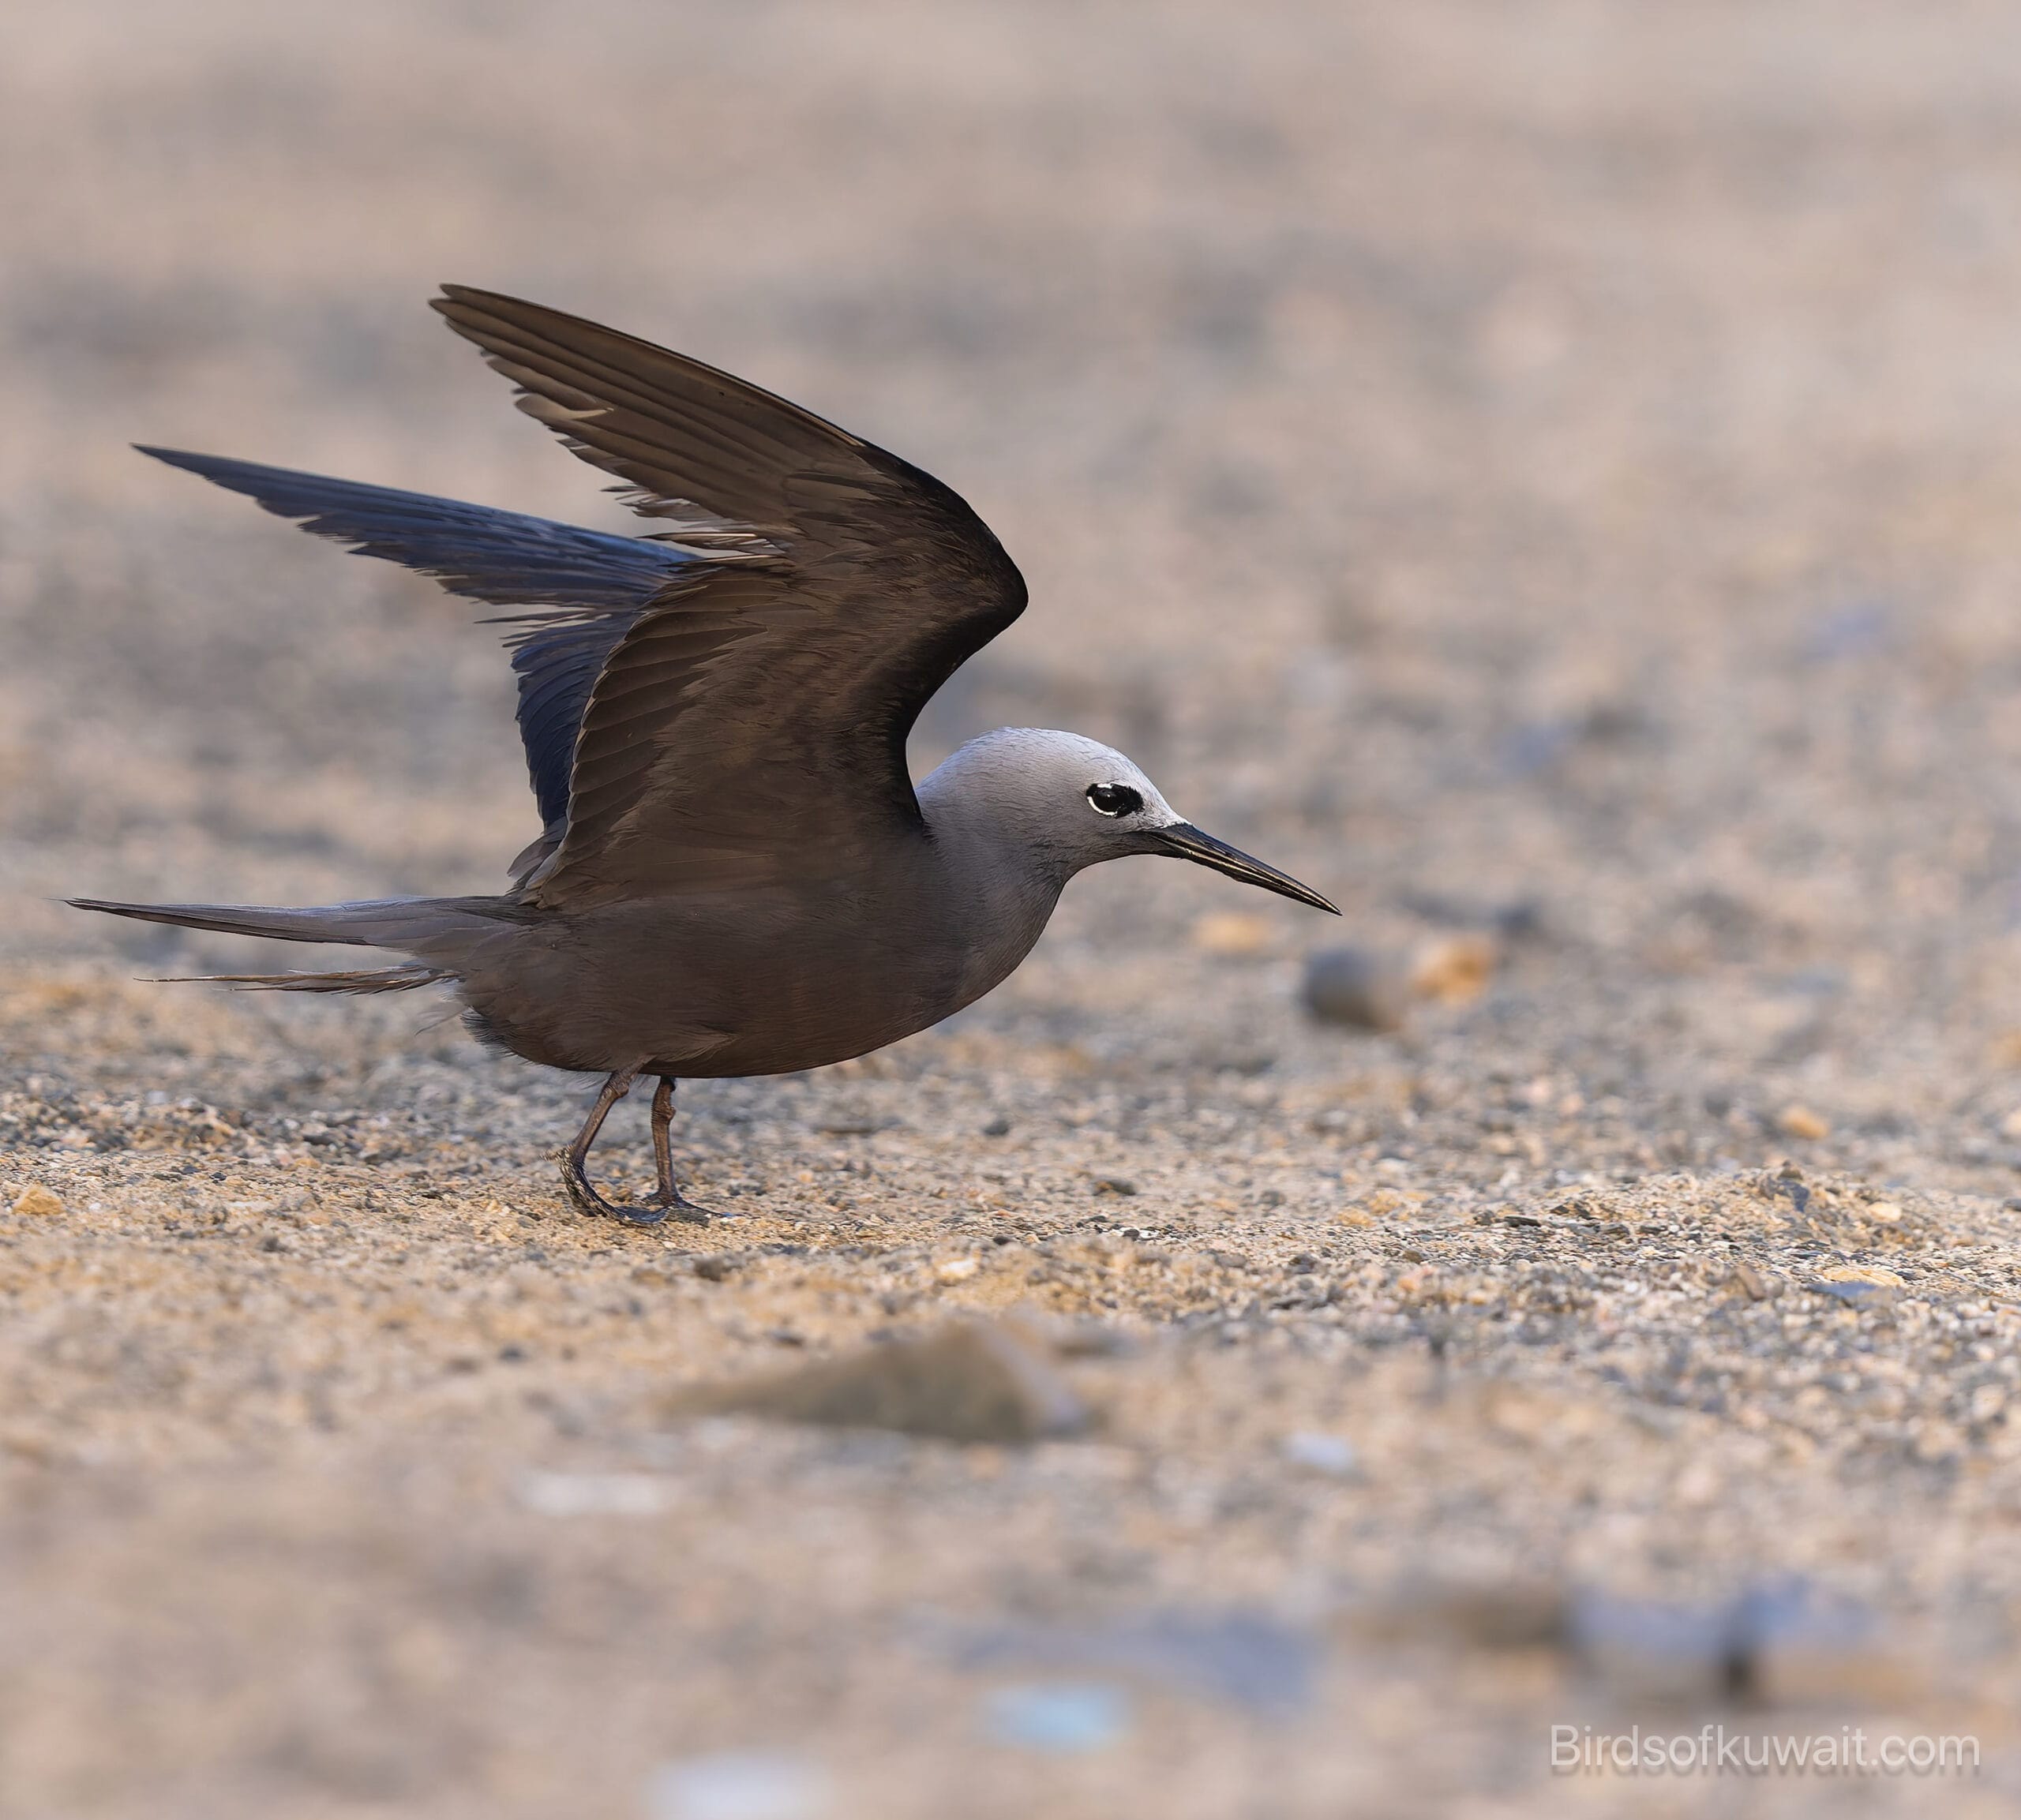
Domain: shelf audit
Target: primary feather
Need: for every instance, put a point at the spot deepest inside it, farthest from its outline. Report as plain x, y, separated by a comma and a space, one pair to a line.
591, 585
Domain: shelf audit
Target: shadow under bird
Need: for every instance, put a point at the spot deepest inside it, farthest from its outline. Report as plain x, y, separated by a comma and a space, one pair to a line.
736, 874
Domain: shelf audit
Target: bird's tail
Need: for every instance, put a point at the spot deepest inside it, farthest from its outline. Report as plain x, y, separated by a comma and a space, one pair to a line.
402, 979
438, 930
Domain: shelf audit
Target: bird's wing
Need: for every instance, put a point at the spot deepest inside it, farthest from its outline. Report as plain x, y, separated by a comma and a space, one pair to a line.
582, 588
749, 725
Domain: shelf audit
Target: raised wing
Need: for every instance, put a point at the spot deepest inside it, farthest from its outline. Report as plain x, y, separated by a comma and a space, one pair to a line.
584, 589
750, 724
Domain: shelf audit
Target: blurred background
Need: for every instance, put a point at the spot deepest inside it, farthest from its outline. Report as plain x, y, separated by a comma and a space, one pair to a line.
1551, 451
1548, 474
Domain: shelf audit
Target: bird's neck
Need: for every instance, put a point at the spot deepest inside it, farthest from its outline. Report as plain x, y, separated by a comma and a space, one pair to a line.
1000, 890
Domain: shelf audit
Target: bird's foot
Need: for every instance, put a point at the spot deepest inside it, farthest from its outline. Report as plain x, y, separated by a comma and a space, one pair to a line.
587, 1201
675, 1206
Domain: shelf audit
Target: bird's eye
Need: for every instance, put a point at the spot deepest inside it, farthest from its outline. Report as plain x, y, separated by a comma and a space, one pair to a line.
1114, 799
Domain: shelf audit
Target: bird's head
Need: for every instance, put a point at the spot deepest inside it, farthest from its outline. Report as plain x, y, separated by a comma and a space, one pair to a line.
1075, 802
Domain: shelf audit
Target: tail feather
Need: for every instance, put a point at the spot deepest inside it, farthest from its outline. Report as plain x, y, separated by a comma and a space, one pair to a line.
402, 978
440, 931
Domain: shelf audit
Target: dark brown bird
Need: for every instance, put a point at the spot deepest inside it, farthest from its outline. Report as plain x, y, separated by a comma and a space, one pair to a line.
735, 875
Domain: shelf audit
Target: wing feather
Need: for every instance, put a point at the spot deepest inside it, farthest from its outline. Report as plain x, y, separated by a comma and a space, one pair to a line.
586, 586
724, 699
750, 725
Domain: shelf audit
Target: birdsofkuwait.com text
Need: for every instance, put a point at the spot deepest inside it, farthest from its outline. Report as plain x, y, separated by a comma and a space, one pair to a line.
1714, 1751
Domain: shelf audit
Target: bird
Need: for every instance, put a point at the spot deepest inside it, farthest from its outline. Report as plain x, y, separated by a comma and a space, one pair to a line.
736, 873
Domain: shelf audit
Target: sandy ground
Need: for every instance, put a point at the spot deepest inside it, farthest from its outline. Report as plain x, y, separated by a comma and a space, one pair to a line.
1547, 474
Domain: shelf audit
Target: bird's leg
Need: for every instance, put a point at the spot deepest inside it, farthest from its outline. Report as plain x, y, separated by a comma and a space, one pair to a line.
670, 1199
583, 1197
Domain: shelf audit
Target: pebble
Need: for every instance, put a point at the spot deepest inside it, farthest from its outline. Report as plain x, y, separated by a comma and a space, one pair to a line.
1353, 986
1749, 1281
1332, 1455
1061, 1717
1454, 970
38, 1201
1800, 1122
970, 1381
1233, 933
739, 1785
1872, 1274
1861, 1286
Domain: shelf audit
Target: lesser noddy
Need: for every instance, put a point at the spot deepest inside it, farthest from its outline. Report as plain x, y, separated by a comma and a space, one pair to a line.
736, 874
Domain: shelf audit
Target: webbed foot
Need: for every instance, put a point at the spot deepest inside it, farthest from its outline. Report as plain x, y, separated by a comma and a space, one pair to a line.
584, 1198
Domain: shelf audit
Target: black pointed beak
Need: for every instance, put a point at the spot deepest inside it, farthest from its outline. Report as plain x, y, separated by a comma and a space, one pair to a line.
1184, 841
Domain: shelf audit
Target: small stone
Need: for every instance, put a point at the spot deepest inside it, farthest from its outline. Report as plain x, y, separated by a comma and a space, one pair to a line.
40, 1202
1858, 1294
1866, 1273
999, 1127
1060, 1717
1233, 933
1800, 1122
1749, 1281
1332, 1455
971, 1381
1114, 1184
714, 1269
1454, 970
740, 1785
957, 1269
1860, 1286
1353, 986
